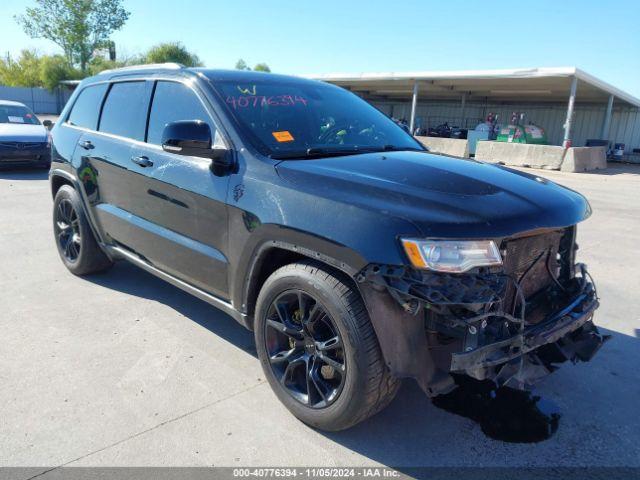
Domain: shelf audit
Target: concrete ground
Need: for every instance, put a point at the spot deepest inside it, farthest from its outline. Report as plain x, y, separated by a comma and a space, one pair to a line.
121, 369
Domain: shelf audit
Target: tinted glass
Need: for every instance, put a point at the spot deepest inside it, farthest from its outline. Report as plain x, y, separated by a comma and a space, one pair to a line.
17, 114
290, 117
86, 109
125, 110
173, 101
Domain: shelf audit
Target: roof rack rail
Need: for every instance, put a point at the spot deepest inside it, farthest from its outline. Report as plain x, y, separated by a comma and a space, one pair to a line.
146, 66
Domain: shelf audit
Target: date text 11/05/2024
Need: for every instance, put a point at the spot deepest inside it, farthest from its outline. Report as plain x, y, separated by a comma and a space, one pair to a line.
319, 472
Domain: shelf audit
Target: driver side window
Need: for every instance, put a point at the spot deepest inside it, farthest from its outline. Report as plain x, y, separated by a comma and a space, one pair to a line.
173, 101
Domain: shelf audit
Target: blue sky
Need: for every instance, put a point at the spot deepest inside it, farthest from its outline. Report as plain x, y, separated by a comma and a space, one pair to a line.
601, 37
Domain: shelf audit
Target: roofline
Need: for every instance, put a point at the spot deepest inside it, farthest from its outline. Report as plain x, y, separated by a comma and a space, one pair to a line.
12, 103
145, 66
483, 74
450, 74
607, 87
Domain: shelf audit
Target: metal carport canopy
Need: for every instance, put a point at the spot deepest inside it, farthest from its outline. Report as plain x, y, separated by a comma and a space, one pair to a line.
551, 85
527, 84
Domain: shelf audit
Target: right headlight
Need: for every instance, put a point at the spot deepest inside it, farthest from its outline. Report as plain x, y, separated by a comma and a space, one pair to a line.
452, 256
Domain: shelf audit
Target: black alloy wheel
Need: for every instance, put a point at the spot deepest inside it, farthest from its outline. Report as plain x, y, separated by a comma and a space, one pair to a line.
75, 241
67, 230
305, 350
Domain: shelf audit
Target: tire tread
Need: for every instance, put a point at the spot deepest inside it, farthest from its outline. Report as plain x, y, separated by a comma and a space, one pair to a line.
380, 387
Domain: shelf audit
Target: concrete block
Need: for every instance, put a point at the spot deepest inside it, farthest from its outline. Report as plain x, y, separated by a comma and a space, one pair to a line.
521, 154
447, 146
584, 159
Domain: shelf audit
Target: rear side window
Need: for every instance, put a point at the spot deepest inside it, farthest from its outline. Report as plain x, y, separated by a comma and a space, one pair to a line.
86, 109
125, 110
174, 101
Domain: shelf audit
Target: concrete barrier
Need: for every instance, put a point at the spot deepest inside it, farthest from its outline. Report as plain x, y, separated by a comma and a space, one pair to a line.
584, 159
550, 157
447, 146
521, 154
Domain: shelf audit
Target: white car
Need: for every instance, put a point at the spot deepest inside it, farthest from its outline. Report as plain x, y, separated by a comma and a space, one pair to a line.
23, 139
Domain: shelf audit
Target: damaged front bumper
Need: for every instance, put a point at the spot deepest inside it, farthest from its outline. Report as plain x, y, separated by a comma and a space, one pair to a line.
568, 334
433, 325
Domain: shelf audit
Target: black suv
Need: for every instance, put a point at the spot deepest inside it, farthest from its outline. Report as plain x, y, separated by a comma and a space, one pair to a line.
356, 257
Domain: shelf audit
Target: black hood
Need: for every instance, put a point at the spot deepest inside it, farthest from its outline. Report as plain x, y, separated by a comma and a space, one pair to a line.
442, 196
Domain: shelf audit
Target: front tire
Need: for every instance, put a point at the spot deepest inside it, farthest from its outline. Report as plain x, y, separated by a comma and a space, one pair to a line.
318, 349
74, 238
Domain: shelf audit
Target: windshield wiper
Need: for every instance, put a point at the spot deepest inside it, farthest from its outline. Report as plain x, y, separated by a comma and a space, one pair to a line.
321, 152
395, 148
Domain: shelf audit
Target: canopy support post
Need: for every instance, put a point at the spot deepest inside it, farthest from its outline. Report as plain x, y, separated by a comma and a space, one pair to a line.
606, 123
462, 108
567, 124
414, 104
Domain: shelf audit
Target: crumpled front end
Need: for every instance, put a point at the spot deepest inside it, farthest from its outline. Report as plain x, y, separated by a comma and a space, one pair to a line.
512, 324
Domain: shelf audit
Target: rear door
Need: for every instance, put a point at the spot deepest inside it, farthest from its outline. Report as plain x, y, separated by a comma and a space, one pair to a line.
183, 215
116, 190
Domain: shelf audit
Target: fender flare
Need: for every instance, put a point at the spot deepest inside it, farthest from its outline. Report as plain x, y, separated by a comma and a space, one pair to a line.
275, 237
75, 183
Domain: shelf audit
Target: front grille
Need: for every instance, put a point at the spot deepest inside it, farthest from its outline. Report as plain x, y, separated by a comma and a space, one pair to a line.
531, 262
23, 145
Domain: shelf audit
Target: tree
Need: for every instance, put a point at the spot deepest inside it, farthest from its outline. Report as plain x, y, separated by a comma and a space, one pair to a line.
241, 65
261, 67
172, 52
78, 26
33, 70
99, 63
55, 68
23, 71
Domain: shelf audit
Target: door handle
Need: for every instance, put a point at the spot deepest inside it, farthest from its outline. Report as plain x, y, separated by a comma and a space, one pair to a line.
142, 161
86, 144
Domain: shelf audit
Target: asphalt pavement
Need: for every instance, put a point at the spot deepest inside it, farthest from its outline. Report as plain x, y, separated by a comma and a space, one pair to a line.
121, 369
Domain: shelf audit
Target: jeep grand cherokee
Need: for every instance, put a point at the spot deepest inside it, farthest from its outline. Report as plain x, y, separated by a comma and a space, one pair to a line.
356, 256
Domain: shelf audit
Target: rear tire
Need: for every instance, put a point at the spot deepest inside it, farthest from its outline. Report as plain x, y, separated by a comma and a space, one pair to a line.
74, 238
367, 386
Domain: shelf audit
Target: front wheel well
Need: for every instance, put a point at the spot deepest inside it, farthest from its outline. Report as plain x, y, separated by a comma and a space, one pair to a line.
272, 260
58, 181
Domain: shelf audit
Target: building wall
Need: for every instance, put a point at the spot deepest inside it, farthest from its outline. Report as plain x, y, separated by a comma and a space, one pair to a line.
625, 121
40, 100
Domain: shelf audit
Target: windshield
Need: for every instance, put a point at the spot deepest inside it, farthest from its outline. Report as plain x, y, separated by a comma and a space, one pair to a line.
289, 119
17, 114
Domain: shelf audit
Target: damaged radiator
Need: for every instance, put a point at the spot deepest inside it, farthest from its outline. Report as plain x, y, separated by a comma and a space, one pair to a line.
533, 264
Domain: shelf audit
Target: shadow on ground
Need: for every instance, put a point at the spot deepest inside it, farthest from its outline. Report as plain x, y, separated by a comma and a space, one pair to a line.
130, 279
616, 168
412, 432
24, 174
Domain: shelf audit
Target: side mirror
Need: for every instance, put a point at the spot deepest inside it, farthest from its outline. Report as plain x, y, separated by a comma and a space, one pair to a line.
48, 124
193, 138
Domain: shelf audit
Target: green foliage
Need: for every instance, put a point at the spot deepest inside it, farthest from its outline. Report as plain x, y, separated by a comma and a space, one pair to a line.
78, 26
33, 70
98, 64
260, 67
172, 52
55, 68
242, 65
21, 71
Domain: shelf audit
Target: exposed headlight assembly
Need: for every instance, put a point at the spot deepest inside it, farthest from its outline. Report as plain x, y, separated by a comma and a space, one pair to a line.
451, 255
